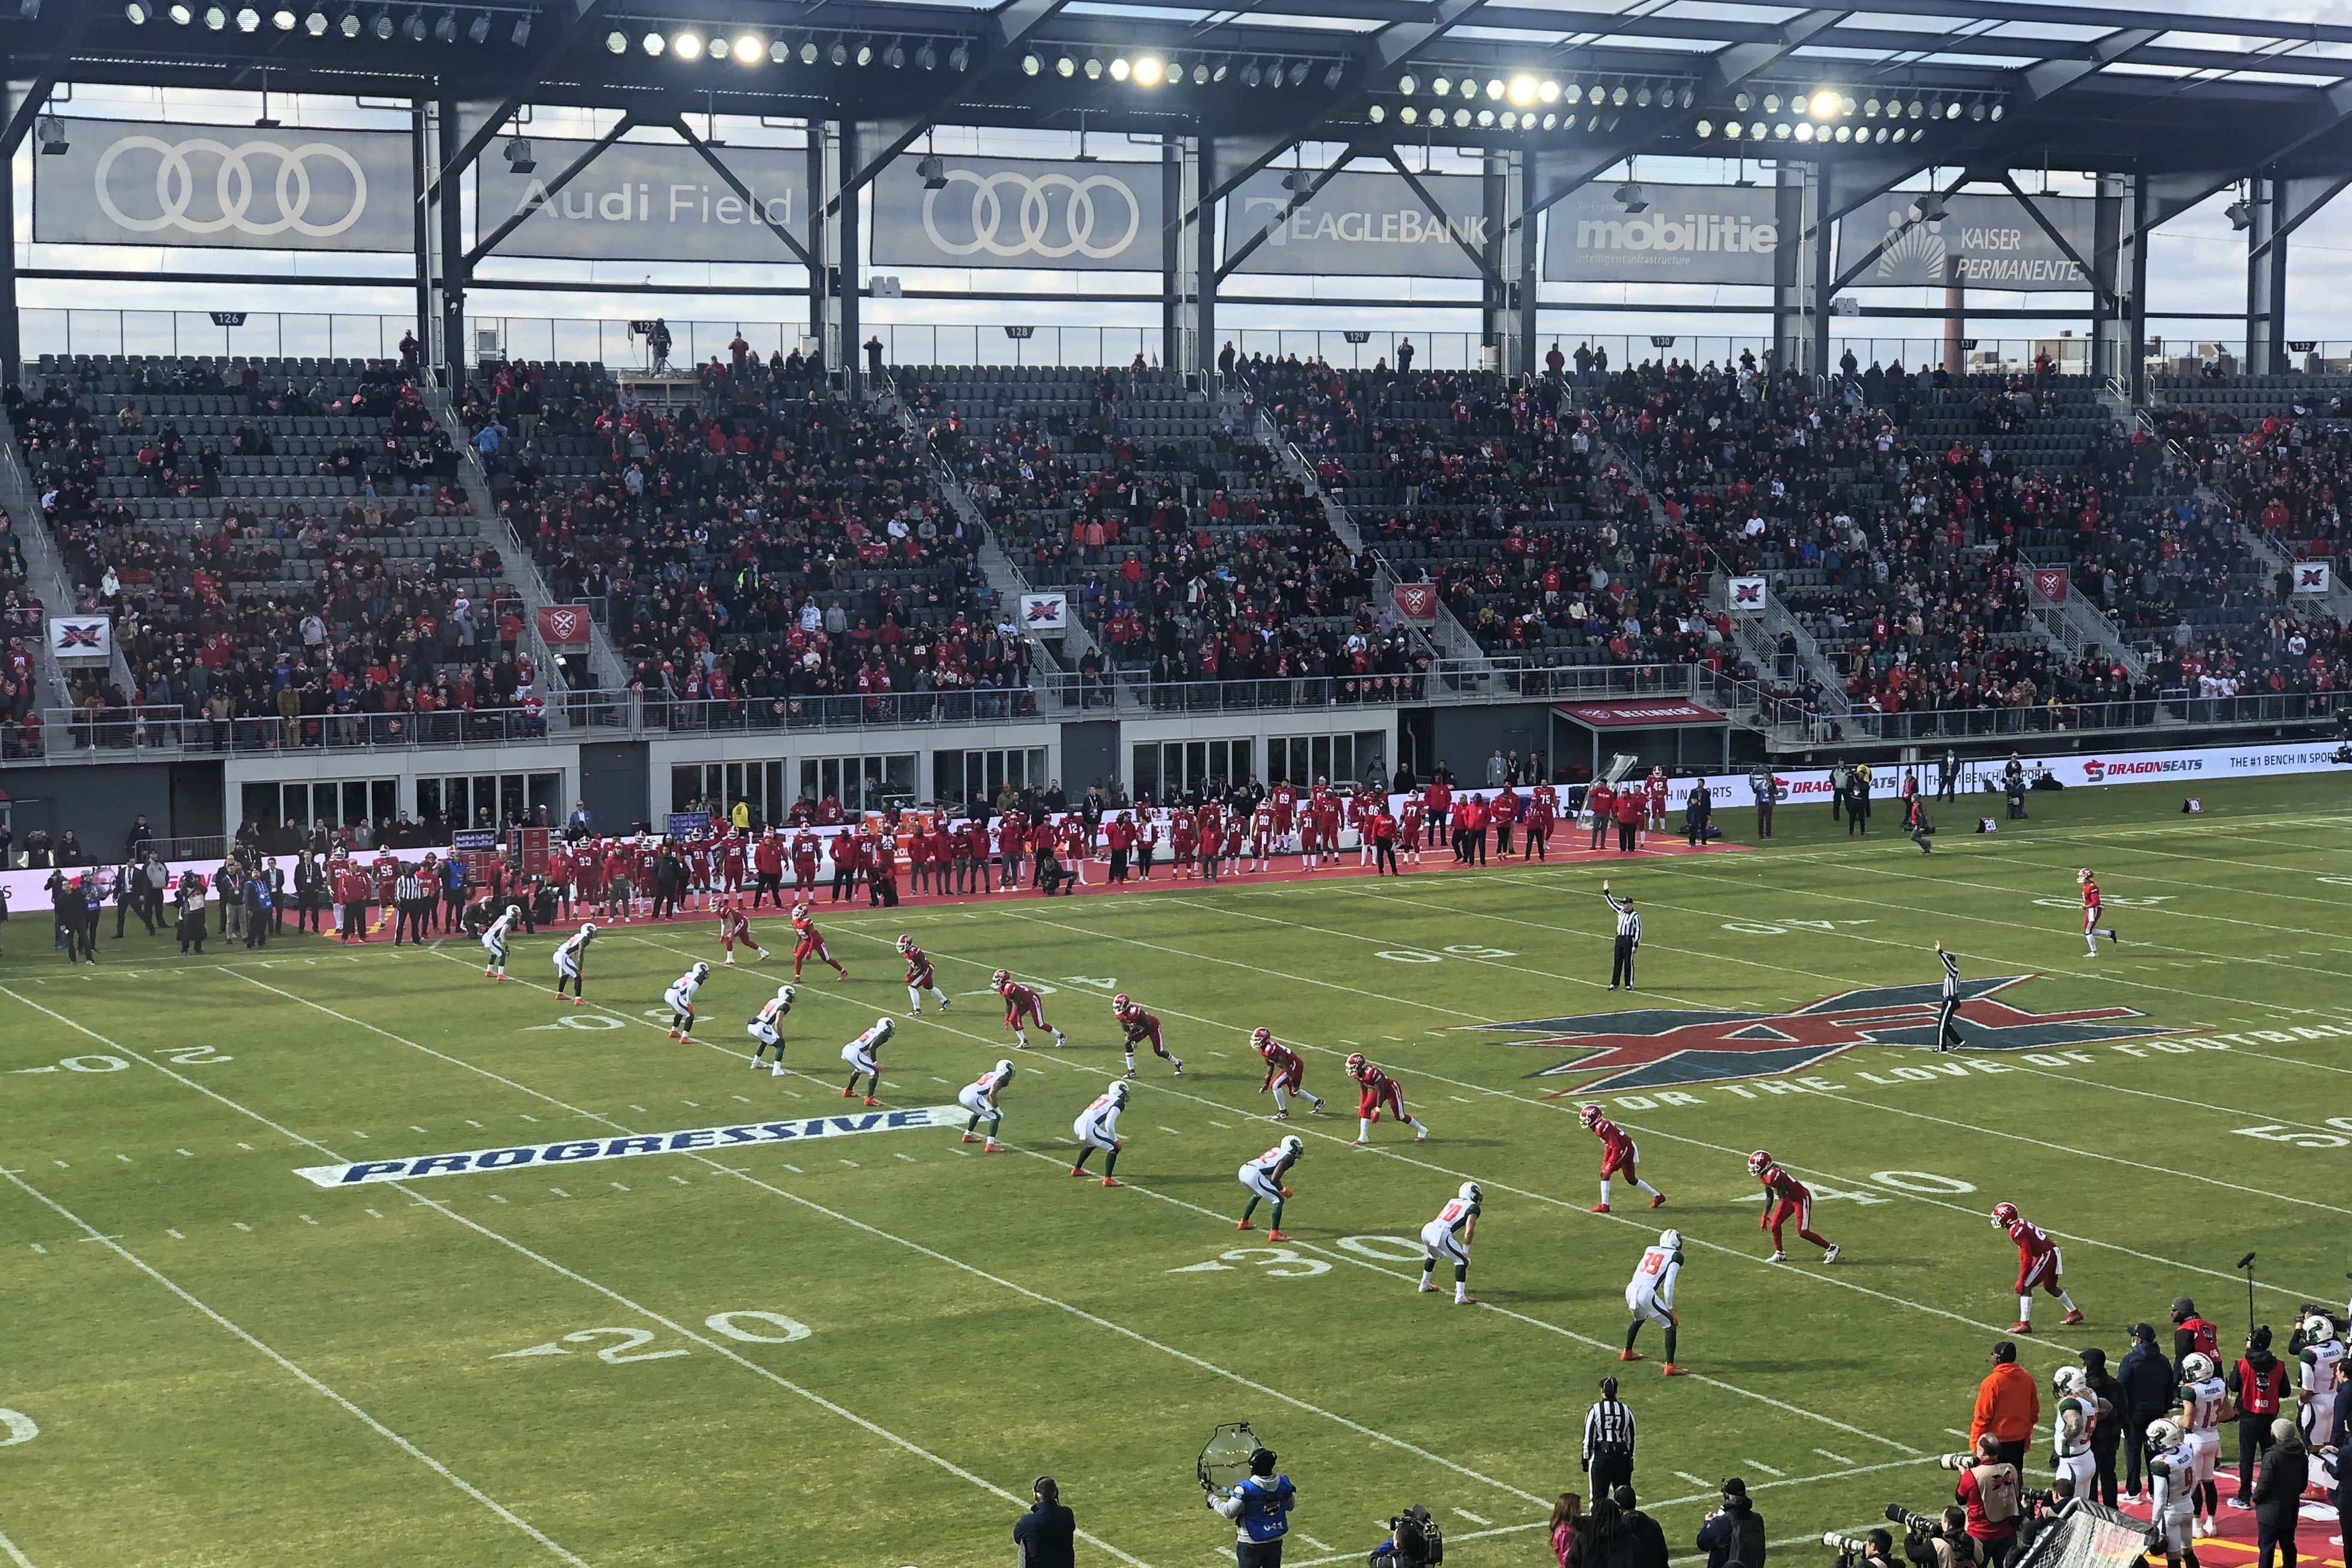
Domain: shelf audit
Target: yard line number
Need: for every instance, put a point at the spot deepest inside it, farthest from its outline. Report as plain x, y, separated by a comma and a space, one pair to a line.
745, 1327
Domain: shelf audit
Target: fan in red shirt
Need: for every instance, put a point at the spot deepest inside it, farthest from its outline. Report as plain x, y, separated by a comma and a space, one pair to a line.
1786, 1198
1022, 1006
920, 978
1618, 1152
808, 942
1012, 851
1436, 800
1375, 1090
767, 869
1147, 843
1140, 1026
1601, 802
1286, 1074
2037, 1267
1543, 804
734, 926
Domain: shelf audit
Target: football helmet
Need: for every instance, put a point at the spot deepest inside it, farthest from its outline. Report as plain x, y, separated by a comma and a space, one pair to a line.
1356, 1065
1118, 1091
784, 995
2318, 1329
1469, 1192
1589, 1115
801, 911
1000, 979
2004, 1215
701, 971
1759, 1162
2067, 1382
1672, 1240
1004, 1067
587, 928
1120, 1005
905, 942
514, 912
2196, 1366
2082, 873
883, 1029
1293, 1145
1260, 1038
2164, 1435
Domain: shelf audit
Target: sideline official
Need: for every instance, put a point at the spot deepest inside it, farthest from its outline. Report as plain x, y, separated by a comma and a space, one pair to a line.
1629, 938
1607, 1453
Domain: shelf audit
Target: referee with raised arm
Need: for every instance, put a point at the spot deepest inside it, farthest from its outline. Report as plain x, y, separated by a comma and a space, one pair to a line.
1947, 1032
1629, 937
1608, 1455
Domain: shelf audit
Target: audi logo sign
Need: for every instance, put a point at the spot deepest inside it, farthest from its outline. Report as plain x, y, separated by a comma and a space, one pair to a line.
1020, 212
225, 187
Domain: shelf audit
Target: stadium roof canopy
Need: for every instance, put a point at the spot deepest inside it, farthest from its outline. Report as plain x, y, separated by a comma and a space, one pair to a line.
1985, 84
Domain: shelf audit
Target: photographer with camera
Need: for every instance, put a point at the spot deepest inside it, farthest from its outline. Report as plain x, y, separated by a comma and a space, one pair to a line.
1935, 1542
1414, 1541
1987, 1489
1872, 1550
1733, 1533
2039, 1511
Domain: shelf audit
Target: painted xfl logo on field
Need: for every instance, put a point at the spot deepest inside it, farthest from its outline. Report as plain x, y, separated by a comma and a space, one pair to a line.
1648, 1048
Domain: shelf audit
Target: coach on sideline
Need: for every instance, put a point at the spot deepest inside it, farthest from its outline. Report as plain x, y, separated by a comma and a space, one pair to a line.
2008, 1405
1629, 937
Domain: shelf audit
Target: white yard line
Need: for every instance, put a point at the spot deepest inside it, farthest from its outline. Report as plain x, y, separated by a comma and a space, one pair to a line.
379, 1428
14, 1556
614, 1296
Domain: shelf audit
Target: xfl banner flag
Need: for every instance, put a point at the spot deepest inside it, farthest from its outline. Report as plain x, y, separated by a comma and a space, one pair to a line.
562, 625
2050, 584
1417, 603
2315, 577
1045, 611
81, 639
1749, 593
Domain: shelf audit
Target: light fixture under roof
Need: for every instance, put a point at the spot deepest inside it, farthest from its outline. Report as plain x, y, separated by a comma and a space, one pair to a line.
687, 45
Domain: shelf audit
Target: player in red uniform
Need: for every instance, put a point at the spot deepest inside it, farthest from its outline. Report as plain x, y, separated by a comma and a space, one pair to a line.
1310, 838
808, 942
1408, 814
1179, 844
1326, 807
1076, 846
1285, 802
1543, 805
1022, 1006
1261, 835
1786, 1198
2091, 909
1618, 1152
1286, 1074
699, 852
1141, 1026
734, 925
1654, 792
2037, 1267
1360, 816
920, 978
734, 852
1374, 1089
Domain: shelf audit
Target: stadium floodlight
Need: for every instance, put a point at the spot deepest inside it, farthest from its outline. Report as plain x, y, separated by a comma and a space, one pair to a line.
137, 13
315, 23
809, 53
1486, 117
1706, 127
1066, 68
1511, 119
1298, 73
1496, 87
934, 171
687, 45
1620, 96
1462, 119
1408, 114
1997, 113
1119, 69
1094, 69
1823, 105
1032, 64
1804, 132
865, 55
181, 13
780, 52
1732, 130
1442, 86
616, 42
1927, 209
382, 26
1780, 131
1201, 73
1845, 133
1331, 76
521, 34
1376, 114
445, 30
1977, 111
838, 55
750, 49
284, 19
1548, 90
895, 56
2241, 215
1641, 98
1407, 84
517, 152
928, 58
1521, 90
477, 31
1223, 69
1551, 121
414, 29
1252, 74
216, 18
49, 133
1150, 70
654, 43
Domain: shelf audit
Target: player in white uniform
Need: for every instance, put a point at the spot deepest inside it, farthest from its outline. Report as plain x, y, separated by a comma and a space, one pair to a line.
862, 1055
2203, 1394
2319, 1372
495, 942
1649, 1297
1446, 1239
979, 1097
1262, 1178
1097, 1128
768, 1029
2172, 1519
571, 963
679, 999
2076, 1416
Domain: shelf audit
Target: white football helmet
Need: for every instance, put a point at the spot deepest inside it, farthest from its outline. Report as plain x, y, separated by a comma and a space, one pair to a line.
2318, 1329
784, 995
883, 1029
2196, 1366
1469, 1193
1004, 1067
701, 970
2067, 1382
1118, 1091
905, 942
587, 928
514, 912
1293, 1147
1672, 1240
2164, 1435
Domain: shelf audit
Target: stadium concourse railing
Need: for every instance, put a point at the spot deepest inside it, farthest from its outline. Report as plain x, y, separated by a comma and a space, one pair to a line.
127, 733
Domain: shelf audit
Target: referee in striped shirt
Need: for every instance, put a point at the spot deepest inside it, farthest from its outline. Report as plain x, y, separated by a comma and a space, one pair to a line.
1607, 1441
1948, 1031
1629, 938
408, 905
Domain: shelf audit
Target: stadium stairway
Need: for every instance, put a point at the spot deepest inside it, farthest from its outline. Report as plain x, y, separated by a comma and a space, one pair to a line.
45, 569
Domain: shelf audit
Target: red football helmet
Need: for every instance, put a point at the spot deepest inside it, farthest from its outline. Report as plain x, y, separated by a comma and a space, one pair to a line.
1357, 1065
1759, 1162
2004, 1215
801, 911
1000, 979
1260, 1038
1120, 1006
1589, 1115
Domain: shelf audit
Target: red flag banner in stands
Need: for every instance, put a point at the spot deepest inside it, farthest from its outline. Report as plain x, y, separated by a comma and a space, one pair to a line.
1662, 713
2050, 584
562, 625
1416, 602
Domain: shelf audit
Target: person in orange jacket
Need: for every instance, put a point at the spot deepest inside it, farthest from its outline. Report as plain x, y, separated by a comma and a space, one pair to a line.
2008, 1405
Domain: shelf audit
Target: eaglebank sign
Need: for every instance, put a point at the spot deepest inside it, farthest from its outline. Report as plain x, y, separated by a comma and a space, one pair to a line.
1362, 223
584, 1151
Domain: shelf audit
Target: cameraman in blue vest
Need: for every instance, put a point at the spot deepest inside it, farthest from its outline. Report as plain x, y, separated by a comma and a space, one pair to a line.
1260, 1509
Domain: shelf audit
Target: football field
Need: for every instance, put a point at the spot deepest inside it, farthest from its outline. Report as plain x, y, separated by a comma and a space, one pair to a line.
836, 1342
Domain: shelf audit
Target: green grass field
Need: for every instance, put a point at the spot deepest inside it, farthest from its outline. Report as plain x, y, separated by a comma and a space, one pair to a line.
212, 1361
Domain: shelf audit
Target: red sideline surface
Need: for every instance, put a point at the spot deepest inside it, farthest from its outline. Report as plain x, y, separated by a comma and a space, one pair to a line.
2234, 1545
